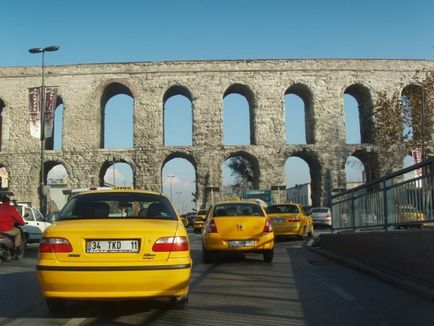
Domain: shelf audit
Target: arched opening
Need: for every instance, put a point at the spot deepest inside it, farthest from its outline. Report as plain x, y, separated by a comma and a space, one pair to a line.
298, 181
117, 111
178, 177
178, 117
363, 98
116, 172
412, 113
54, 140
4, 178
238, 116
299, 120
240, 172
2, 111
352, 123
354, 172
57, 181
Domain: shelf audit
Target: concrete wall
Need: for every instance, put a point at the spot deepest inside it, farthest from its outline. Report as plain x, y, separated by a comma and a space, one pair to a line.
410, 252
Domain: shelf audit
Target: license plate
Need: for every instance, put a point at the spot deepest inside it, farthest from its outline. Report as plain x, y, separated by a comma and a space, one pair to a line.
109, 246
241, 243
278, 219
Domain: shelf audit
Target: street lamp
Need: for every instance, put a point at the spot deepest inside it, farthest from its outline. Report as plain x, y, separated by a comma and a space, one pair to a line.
42, 190
170, 181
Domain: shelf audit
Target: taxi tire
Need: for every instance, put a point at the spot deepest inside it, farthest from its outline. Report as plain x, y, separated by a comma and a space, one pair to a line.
56, 305
268, 255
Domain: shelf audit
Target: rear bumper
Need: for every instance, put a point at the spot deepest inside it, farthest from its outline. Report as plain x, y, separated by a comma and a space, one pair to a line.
99, 282
215, 242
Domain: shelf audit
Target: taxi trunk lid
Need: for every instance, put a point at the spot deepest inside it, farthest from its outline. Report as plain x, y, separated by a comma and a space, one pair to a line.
240, 226
108, 240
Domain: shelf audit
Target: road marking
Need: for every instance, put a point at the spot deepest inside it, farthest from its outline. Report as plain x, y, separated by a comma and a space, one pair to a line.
342, 293
75, 321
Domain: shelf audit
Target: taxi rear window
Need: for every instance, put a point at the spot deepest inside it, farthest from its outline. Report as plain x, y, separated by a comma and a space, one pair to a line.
117, 205
238, 209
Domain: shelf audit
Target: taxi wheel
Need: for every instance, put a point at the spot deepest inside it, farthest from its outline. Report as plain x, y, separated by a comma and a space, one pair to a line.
268, 255
56, 305
303, 235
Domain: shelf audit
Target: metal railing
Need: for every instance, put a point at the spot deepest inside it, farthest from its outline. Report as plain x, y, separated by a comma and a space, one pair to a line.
402, 199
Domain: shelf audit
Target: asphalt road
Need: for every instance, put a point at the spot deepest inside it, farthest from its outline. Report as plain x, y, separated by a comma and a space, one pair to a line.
299, 287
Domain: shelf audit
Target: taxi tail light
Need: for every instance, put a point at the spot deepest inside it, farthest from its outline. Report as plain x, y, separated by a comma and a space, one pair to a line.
54, 245
267, 227
168, 244
211, 227
293, 219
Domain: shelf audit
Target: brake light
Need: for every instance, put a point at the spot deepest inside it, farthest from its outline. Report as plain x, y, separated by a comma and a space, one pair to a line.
54, 245
171, 244
293, 219
211, 227
267, 227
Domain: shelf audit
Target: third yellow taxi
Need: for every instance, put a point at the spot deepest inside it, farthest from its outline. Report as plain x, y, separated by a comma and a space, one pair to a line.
237, 226
115, 244
199, 220
290, 219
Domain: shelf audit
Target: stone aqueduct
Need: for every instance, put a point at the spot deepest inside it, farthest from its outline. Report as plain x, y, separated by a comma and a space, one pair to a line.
85, 89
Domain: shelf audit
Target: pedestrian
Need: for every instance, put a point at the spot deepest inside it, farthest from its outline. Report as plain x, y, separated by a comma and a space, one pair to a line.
9, 219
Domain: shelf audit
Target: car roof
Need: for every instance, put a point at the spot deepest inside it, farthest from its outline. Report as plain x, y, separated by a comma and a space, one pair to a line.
108, 191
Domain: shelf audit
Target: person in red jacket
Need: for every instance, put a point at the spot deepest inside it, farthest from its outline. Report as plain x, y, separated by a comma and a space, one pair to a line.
9, 218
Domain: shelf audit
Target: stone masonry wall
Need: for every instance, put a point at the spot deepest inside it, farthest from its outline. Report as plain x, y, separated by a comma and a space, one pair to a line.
321, 84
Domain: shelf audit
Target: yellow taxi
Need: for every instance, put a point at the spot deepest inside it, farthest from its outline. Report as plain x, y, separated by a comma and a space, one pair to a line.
290, 219
115, 244
199, 220
237, 226
409, 216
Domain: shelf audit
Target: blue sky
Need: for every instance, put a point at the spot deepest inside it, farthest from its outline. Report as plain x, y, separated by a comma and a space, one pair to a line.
100, 31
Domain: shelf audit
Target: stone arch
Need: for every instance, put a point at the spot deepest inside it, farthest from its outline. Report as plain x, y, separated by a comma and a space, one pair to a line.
362, 95
315, 171
108, 162
251, 158
4, 176
50, 141
107, 91
411, 102
172, 91
306, 95
186, 182
248, 94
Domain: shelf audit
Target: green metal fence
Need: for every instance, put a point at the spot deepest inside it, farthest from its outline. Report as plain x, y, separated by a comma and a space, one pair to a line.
403, 199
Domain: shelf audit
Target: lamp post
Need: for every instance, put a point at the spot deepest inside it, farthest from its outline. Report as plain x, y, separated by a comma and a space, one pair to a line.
170, 181
42, 190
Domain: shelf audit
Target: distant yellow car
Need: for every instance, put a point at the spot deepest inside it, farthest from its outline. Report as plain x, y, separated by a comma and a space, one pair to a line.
290, 220
115, 244
409, 216
199, 220
237, 226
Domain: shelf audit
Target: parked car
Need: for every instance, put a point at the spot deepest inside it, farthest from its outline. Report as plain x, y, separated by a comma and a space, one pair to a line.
409, 216
237, 226
290, 220
321, 216
115, 245
35, 222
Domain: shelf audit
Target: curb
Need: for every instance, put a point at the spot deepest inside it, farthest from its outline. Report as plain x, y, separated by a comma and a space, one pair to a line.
422, 289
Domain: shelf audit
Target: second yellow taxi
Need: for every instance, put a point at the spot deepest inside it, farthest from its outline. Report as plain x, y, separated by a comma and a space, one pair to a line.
290, 220
237, 226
